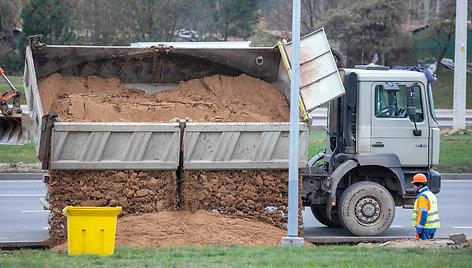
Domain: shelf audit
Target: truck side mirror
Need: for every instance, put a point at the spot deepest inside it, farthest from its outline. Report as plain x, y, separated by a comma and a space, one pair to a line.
410, 107
410, 102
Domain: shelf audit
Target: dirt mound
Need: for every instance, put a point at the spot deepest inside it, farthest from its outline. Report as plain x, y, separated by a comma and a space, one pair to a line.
136, 192
258, 195
210, 99
184, 228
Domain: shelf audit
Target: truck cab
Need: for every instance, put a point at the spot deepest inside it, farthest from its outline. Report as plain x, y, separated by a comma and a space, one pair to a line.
379, 135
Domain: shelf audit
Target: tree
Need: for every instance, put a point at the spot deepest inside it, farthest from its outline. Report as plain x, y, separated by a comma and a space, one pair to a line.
46, 17
121, 22
236, 18
369, 27
278, 14
10, 23
440, 30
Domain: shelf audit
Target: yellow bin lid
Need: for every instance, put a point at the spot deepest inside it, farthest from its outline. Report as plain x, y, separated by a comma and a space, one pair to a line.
91, 211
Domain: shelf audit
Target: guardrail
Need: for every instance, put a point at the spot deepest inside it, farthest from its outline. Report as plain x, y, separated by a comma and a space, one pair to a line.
444, 117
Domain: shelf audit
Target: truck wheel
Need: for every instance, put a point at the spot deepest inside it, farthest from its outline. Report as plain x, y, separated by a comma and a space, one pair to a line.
366, 209
320, 214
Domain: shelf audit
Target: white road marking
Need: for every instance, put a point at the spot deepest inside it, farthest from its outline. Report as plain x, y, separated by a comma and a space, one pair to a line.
396, 226
45, 228
19, 195
462, 227
35, 210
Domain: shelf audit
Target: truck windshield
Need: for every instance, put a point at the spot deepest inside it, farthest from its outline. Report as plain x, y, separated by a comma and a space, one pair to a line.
431, 102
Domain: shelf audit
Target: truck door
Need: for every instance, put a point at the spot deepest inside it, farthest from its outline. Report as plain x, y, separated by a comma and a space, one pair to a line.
393, 130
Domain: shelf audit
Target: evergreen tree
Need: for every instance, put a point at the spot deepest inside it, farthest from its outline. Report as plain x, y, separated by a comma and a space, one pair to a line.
46, 17
237, 18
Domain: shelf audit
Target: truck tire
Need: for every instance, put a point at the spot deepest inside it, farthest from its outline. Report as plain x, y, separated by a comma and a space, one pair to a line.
320, 214
366, 209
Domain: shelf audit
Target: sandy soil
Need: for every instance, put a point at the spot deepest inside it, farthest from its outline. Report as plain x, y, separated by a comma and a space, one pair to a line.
136, 192
210, 99
259, 195
199, 228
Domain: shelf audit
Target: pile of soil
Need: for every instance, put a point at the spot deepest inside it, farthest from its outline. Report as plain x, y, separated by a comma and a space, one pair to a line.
136, 192
210, 99
258, 195
199, 228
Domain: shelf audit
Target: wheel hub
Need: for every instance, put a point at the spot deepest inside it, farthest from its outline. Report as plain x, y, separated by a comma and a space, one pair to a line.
367, 210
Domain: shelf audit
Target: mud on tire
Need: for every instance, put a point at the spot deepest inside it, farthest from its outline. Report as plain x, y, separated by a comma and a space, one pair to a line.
366, 209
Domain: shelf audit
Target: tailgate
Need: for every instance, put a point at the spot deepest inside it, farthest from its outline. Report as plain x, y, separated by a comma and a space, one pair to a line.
319, 77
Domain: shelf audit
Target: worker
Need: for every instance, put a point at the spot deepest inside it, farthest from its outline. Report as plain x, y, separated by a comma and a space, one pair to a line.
425, 217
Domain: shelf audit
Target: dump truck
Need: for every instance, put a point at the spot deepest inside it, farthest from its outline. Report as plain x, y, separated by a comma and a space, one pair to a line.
381, 128
379, 135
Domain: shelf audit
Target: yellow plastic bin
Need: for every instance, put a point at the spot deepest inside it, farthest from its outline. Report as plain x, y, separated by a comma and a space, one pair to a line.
91, 229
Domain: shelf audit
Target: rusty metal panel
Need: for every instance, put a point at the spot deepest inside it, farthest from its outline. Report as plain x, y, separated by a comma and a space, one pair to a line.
319, 78
215, 146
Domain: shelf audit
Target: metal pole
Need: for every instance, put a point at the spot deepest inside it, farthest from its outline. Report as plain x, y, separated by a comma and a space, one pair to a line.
460, 61
293, 239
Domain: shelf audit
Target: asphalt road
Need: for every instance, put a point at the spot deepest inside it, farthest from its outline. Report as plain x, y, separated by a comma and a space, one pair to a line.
455, 213
23, 218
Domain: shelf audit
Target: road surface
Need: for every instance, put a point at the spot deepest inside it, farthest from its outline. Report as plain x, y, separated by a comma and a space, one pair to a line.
22, 216
455, 213
23, 219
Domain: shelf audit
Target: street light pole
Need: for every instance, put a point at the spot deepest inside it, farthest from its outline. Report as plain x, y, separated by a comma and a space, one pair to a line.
460, 61
292, 239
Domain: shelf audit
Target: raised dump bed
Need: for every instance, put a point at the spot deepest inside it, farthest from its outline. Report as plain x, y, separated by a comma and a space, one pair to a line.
131, 144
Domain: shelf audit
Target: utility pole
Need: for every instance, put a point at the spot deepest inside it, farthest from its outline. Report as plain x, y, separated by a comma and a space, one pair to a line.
460, 61
292, 239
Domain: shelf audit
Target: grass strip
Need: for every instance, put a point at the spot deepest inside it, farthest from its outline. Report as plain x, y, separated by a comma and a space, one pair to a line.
237, 256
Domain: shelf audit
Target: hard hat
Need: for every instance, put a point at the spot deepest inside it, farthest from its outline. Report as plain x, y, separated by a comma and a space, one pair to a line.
420, 177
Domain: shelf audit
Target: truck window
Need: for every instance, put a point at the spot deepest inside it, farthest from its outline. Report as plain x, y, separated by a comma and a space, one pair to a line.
393, 104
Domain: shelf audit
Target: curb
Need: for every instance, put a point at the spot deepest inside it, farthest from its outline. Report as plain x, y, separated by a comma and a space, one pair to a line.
20, 176
330, 240
456, 176
26, 244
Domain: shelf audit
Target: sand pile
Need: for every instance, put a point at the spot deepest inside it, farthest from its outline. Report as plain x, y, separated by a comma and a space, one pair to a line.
211, 99
260, 196
136, 192
200, 228
257, 195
